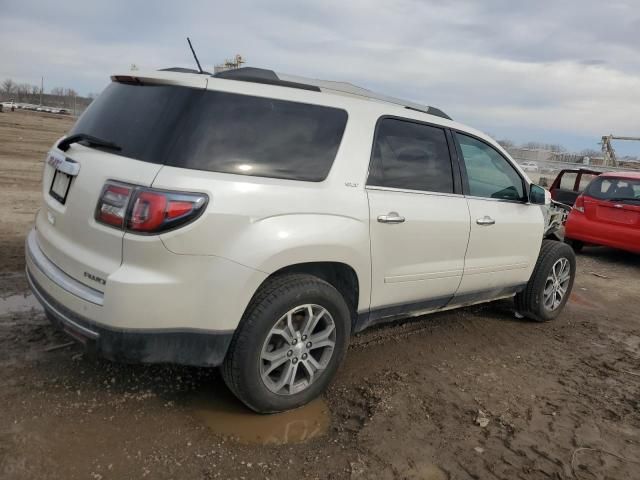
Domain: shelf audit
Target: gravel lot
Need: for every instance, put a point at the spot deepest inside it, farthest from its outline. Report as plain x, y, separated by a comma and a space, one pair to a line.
468, 394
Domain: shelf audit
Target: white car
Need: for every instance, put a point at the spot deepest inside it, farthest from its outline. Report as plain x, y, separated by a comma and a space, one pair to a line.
529, 166
255, 221
9, 106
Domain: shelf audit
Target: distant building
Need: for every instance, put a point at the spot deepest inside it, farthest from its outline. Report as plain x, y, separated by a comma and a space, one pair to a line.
530, 154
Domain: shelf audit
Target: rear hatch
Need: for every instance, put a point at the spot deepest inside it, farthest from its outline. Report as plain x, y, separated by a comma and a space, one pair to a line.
138, 117
614, 201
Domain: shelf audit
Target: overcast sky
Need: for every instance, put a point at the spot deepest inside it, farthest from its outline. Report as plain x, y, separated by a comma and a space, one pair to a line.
552, 71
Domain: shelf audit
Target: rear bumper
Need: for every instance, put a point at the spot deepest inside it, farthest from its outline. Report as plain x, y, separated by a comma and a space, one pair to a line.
70, 304
579, 227
131, 346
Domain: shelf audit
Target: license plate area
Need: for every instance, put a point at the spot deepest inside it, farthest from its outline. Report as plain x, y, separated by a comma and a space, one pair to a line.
60, 186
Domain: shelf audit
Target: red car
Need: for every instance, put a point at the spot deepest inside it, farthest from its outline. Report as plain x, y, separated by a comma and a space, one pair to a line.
607, 213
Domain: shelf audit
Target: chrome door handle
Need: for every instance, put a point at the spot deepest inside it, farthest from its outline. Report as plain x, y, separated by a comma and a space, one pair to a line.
486, 220
391, 217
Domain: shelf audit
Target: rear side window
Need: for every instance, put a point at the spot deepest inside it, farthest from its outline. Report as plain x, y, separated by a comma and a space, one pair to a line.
568, 180
217, 131
411, 156
585, 180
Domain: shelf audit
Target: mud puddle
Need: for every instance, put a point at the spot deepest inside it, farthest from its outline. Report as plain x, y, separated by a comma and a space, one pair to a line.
18, 304
225, 415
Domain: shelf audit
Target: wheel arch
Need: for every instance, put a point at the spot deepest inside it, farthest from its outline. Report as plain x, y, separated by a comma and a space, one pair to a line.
340, 275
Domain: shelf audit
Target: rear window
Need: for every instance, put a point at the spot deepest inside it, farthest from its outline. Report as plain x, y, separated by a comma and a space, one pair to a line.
611, 188
217, 131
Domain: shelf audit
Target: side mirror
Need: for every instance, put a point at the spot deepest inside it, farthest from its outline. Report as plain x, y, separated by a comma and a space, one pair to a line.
539, 195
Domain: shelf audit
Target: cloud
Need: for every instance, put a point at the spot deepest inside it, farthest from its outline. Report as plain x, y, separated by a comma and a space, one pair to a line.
552, 69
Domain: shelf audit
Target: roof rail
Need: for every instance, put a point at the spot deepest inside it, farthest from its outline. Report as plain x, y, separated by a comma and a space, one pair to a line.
262, 75
182, 70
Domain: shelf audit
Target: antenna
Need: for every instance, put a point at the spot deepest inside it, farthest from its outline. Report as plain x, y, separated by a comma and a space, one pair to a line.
194, 55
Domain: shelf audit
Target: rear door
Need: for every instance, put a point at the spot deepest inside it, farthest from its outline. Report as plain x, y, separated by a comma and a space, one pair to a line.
563, 189
419, 221
506, 231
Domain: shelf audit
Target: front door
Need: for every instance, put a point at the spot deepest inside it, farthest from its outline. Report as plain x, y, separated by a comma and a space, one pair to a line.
419, 224
506, 230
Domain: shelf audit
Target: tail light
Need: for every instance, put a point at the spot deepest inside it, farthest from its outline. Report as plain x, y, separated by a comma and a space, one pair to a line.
579, 204
147, 210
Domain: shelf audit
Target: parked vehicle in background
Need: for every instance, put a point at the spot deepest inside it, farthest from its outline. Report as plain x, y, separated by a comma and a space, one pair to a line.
607, 213
10, 105
570, 183
255, 221
529, 166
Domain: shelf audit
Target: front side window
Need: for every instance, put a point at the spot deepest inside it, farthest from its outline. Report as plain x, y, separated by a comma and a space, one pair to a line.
489, 174
411, 156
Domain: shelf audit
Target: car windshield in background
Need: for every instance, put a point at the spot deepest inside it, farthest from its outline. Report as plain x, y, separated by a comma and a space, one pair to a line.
615, 189
217, 131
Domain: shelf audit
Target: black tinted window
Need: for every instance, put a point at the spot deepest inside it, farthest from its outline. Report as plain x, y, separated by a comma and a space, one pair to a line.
611, 188
217, 131
411, 156
489, 174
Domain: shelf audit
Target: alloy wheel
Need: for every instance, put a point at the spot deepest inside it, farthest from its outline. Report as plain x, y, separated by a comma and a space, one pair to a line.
557, 284
297, 349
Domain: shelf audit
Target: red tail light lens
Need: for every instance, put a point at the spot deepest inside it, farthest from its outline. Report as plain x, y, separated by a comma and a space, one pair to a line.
112, 206
146, 210
579, 205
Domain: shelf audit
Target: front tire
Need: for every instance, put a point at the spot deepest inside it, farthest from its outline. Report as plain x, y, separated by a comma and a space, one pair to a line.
577, 245
550, 284
289, 344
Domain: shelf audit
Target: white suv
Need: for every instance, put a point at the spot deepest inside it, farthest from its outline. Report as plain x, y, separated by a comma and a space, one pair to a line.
255, 221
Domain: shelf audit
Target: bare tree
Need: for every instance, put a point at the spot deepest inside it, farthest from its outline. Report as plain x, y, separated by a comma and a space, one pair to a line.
533, 145
590, 152
8, 86
22, 91
57, 91
506, 143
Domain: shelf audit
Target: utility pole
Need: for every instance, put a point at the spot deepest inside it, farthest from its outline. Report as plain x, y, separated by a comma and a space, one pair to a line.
41, 88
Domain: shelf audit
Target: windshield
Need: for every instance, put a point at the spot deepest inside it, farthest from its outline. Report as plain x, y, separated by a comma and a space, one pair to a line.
615, 189
216, 131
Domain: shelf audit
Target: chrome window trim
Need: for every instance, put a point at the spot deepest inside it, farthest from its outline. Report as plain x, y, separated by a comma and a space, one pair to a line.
440, 194
519, 202
57, 276
406, 190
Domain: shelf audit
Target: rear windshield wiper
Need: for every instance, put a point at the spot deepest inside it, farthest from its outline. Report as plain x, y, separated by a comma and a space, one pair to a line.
88, 139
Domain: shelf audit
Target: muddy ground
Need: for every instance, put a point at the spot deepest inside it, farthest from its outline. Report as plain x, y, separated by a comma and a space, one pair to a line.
469, 394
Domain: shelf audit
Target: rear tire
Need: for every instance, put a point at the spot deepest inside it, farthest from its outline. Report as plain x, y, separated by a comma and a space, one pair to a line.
550, 284
289, 344
575, 244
